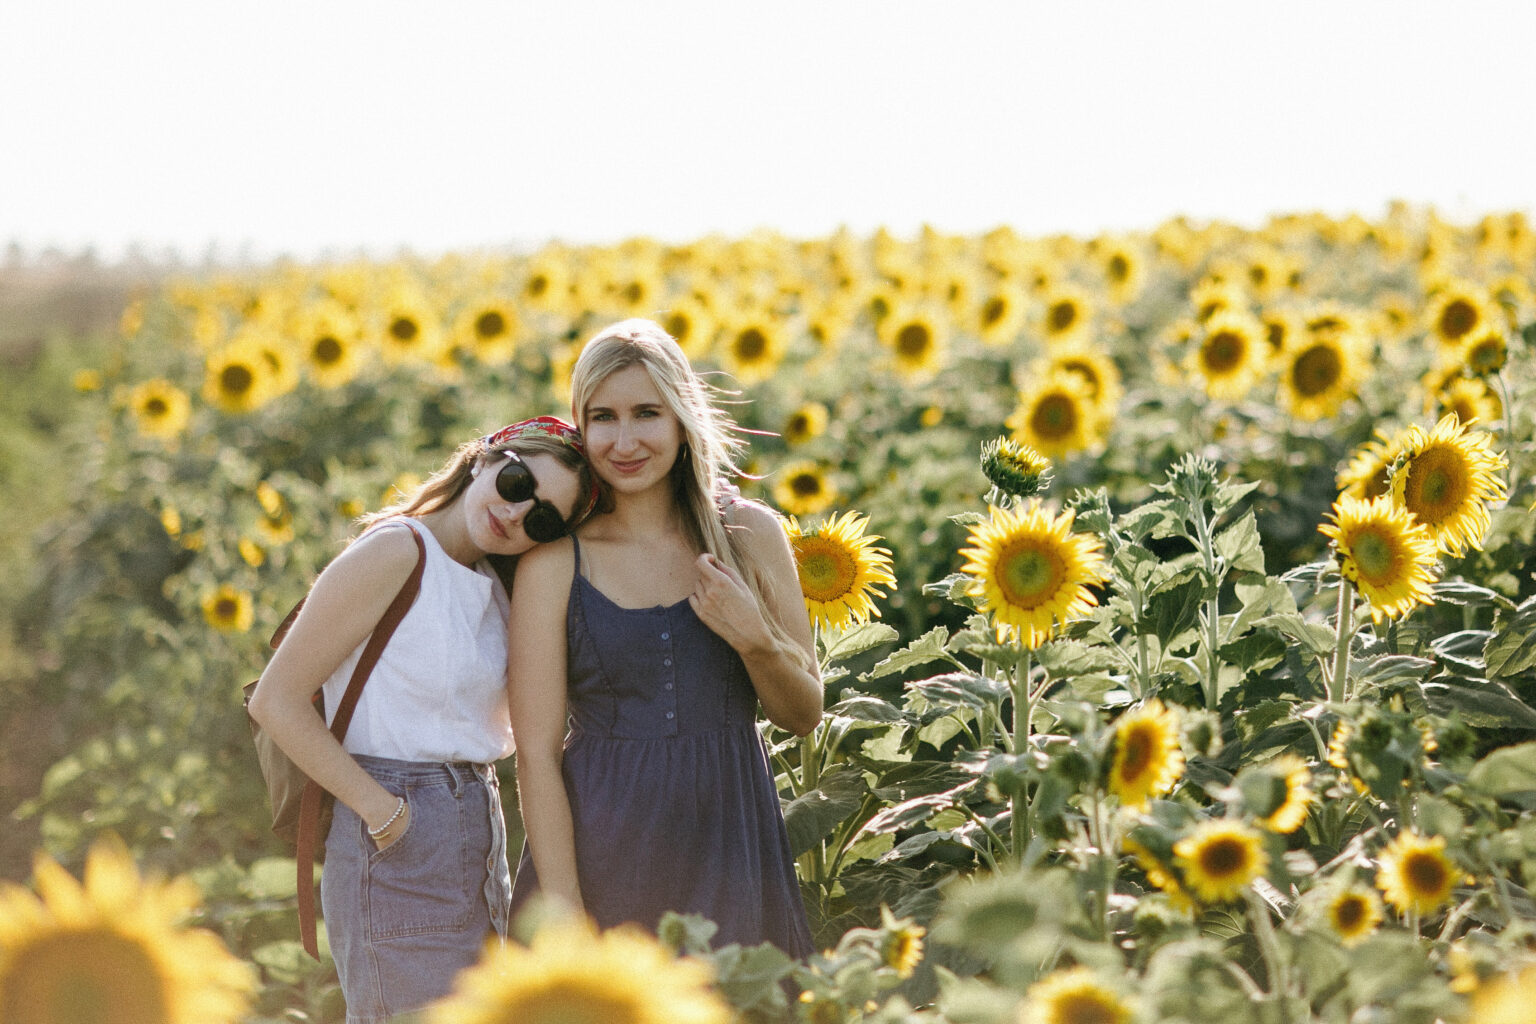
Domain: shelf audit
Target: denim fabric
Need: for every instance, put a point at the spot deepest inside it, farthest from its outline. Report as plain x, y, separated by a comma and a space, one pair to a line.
402, 922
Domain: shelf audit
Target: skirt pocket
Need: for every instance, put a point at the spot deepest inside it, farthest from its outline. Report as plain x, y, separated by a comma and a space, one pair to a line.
421, 882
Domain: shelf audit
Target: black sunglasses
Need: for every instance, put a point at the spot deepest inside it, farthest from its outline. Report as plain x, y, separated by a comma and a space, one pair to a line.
515, 483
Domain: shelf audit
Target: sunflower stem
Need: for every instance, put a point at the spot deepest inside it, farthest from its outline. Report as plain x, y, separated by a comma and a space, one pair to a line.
1212, 611
1023, 725
1338, 681
1269, 948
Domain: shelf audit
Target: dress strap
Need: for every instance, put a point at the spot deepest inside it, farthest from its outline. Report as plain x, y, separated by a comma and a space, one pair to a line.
576, 547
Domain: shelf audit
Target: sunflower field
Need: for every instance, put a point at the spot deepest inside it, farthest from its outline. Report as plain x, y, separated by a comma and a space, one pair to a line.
1175, 593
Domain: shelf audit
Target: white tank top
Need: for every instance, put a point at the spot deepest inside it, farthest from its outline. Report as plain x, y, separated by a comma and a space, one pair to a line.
439, 690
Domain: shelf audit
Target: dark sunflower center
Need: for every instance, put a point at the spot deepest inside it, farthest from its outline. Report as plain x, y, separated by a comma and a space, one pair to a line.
827, 572
1062, 316
751, 345
1030, 576
327, 351
536, 286
1119, 268
236, 379
805, 485
1437, 484
913, 341
1349, 913
1223, 857
993, 311
1458, 317
1224, 352
1425, 873
1317, 370
156, 407
1137, 754
403, 328
1055, 417
1376, 556
677, 325
490, 324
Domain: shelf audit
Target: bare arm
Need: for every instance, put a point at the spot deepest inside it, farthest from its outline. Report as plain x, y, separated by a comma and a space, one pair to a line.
784, 674
342, 609
537, 701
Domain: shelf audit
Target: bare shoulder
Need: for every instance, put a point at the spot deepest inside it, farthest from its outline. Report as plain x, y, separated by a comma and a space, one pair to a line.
546, 567
764, 528
380, 558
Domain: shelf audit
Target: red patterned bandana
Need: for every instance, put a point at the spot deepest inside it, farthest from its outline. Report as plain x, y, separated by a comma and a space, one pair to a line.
555, 427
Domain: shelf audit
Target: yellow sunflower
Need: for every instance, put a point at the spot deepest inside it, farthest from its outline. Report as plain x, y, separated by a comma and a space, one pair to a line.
1220, 858
1125, 271
571, 974
1505, 999
1075, 995
409, 329
805, 423
803, 489
1319, 375
1354, 914
487, 328
751, 349
276, 523
160, 409
1031, 571
1148, 759
691, 325
1485, 352
545, 282
330, 344
1057, 416
1458, 312
999, 316
1369, 473
915, 340
1384, 552
1415, 874
1065, 315
901, 948
1470, 400
840, 569
1446, 477
236, 379
228, 609
1230, 355
1292, 794
113, 947
1159, 876
1098, 371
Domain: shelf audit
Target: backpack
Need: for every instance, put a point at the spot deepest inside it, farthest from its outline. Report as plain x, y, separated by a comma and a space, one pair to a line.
301, 810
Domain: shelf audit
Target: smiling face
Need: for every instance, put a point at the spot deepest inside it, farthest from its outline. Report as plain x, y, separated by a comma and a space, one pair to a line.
496, 524
632, 436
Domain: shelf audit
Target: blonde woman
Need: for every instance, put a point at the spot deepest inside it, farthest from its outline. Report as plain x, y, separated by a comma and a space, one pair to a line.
646, 644
416, 873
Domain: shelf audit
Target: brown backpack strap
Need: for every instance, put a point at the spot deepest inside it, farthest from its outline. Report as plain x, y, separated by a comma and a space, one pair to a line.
309, 803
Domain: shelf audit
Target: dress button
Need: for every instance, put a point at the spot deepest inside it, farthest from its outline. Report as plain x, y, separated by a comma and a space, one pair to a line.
667, 687
666, 661
666, 636
670, 716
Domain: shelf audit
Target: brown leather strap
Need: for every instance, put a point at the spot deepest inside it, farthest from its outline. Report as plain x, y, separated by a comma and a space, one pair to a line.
309, 803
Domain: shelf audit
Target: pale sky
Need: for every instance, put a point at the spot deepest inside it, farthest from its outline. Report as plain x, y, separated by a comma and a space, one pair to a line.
332, 127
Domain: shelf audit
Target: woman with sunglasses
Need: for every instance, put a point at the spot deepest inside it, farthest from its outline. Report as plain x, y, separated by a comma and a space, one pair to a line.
416, 873
645, 645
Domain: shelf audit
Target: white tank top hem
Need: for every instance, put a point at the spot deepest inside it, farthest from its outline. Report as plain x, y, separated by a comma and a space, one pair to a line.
439, 690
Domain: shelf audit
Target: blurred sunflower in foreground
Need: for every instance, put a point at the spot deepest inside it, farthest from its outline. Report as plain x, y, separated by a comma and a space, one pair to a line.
1415, 874
840, 569
1220, 858
1147, 760
1031, 572
570, 973
114, 947
1075, 994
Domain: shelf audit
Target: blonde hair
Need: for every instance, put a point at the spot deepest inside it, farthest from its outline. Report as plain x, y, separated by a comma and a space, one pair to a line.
705, 466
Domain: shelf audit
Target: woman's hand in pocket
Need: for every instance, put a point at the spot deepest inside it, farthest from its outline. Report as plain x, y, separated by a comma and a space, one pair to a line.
391, 833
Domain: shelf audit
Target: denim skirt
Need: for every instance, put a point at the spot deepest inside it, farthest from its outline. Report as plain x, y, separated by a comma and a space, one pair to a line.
402, 922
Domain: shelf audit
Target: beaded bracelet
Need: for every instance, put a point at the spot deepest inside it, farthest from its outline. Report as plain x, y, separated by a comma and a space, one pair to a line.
374, 833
